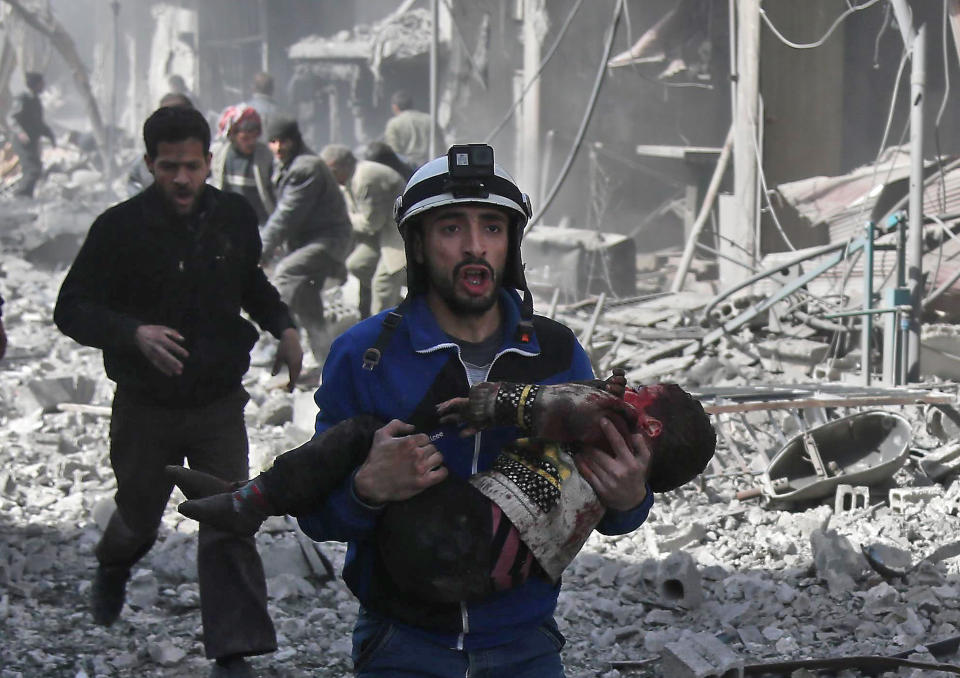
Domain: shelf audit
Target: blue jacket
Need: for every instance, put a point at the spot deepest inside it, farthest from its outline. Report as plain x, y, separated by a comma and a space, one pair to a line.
421, 367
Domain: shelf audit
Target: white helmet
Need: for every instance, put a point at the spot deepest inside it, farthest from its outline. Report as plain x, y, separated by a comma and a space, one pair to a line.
466, 174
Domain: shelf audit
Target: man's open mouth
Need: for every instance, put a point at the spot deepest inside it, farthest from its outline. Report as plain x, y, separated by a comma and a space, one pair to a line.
474, 276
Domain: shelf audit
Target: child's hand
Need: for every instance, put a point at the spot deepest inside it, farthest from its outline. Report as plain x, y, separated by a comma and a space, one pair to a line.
475, 412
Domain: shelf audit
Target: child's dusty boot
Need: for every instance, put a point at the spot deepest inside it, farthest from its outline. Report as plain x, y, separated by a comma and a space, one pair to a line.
239, 508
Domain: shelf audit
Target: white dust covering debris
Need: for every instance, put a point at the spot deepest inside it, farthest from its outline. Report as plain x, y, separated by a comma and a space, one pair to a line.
769, 583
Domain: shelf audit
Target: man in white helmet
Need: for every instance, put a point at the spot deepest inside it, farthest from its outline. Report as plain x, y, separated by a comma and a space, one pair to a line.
464, 321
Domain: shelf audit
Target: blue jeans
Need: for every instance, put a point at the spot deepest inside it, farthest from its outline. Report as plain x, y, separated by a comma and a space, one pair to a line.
382, 649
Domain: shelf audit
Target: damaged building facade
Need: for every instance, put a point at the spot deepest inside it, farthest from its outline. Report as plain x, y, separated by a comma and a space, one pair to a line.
756, 199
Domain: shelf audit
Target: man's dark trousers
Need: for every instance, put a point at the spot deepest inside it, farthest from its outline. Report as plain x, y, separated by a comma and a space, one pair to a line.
213, 438
30, 165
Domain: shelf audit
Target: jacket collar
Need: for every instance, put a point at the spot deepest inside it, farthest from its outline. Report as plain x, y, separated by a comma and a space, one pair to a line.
426, 335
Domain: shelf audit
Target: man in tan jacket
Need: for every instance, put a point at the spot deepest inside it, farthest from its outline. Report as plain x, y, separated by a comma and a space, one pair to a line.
408, 131
377, 259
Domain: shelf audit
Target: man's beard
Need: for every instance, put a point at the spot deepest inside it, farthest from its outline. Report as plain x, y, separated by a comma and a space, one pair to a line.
446, 288
173, 207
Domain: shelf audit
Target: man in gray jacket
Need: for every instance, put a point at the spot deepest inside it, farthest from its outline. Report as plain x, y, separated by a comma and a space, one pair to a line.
311, 221
377, 259
241, 164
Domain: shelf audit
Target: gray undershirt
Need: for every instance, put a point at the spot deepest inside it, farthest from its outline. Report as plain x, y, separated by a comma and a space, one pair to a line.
477, 356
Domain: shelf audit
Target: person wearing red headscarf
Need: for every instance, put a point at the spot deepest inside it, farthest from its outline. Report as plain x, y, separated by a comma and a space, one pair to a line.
241, 162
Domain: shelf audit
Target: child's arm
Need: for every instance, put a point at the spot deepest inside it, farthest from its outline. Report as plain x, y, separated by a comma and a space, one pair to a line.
566, 413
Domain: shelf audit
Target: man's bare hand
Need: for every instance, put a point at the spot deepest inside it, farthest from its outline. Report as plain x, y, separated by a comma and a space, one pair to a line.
399, 465
163, 348
618, 479
3, 341
289, 353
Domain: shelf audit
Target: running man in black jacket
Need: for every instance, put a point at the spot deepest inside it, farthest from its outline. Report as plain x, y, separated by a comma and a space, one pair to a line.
28, 128
158, 286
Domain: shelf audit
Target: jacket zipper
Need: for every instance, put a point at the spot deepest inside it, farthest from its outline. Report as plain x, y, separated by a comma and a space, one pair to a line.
464, 617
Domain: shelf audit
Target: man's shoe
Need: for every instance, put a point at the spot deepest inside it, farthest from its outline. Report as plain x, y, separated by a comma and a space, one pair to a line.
234, 667
108, 592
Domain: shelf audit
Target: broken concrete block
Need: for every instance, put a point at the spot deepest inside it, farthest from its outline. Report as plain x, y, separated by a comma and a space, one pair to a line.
45, 394
143, 589
102, 511
798, 351
851, 498
881, 599
835, 560
664, 538
286, 586
275, 411
678, 580
281, 558
55, 253
164, 652
903, 497
304, 411
700, 655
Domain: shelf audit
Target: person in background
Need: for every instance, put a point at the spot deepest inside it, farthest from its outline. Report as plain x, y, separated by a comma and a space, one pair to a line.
139, 176
408, 131
377, 258
241, 163
3, 333
380, 151
311, 222
262, 98
178, 85
28, 128
158, 285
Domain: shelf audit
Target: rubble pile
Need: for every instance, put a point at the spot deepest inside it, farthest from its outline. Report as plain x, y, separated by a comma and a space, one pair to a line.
711, 581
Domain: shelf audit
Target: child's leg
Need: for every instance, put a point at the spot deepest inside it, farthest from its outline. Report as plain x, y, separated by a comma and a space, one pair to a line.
299, 480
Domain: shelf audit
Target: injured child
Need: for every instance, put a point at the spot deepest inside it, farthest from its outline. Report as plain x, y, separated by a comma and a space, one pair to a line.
528, 515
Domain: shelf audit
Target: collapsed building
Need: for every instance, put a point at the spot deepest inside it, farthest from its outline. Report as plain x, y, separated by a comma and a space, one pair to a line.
821, 533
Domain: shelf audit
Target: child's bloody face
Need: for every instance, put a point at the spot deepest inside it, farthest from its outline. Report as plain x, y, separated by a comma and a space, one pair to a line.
641, 399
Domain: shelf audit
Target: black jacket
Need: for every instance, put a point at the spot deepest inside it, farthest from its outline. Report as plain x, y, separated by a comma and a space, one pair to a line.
140, 265
28, 115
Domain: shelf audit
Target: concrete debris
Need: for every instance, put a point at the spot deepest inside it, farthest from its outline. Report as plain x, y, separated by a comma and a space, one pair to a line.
903, 499
763, 582
45, 394
700, 655
851, 498
277, 410
678, 580
143, 589
165, 652
836, 561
